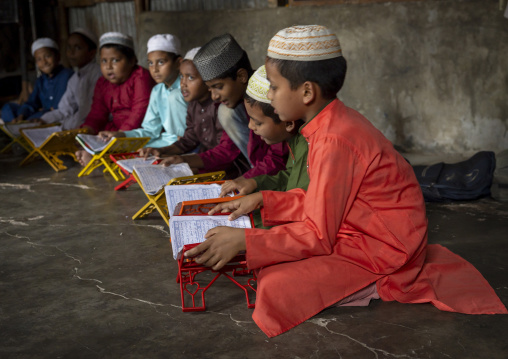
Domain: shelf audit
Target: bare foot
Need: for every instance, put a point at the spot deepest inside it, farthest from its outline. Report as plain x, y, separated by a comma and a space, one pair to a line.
83, 157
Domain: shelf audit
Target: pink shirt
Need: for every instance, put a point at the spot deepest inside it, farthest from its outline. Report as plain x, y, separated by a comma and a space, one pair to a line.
120, 107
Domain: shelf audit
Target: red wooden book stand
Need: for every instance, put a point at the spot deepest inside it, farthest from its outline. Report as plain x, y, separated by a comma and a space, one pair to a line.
193, 289
130, 180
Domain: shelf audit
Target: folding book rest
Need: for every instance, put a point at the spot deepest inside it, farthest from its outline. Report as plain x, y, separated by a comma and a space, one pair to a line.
130, 178
193, 289
117, 145
158, 200
57, 144
15, 139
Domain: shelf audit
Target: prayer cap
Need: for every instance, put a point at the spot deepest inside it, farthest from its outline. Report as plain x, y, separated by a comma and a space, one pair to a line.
304, 43
43, 42
191, 53
86, 33
217, 56
258, 86
164, 42
116, 38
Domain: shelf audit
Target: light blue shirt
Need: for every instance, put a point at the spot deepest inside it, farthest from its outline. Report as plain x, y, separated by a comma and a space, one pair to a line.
166, 111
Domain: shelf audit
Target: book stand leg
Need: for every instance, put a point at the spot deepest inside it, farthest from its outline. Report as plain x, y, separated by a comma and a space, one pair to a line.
127, 183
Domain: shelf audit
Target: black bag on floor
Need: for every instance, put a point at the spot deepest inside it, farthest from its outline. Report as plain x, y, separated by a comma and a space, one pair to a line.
462, 181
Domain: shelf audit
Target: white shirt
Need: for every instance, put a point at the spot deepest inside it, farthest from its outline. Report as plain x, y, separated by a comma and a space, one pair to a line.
77, 99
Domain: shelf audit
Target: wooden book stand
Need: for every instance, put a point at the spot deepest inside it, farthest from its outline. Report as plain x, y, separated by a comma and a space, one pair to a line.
57, 144
158, 200
192, 288
117, 145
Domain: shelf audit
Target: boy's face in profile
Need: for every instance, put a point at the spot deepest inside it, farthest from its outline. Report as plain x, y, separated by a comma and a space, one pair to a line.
78, 52
163, 68
46, 60
287, 103
191, 83
115, 66
265, 127
228, 91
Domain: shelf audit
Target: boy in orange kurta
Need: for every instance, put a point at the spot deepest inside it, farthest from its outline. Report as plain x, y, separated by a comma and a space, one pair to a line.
362, 219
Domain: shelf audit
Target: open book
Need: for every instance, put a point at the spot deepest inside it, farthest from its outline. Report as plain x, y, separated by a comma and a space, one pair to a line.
91, 143
38, 135
154, 178
13, 128
129, 163
192, 229
190, 192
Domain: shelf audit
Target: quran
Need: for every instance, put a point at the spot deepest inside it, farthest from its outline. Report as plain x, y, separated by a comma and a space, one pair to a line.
128, 164
40, 134
154, 178
92, 144
186, 229
13, 128
190, 192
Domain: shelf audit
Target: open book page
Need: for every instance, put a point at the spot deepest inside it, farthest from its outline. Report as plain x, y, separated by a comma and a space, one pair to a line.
39, 135
13, 128
190, 192
154, 178
192, 229
92, 143
129, 163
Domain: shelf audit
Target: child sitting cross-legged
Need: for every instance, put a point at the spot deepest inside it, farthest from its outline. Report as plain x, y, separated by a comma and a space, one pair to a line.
360, 230
49, 87
75, 103
225, 68
203, 130
164, 120
121, 96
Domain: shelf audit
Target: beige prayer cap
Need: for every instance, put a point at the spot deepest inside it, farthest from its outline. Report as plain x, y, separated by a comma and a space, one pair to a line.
43, 42
164, 42
116, 38
304, 43
258, 86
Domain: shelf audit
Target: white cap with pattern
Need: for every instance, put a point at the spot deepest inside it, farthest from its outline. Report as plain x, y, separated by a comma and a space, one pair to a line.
258, 86
304, 43
191, 53
43, 42
164, 42
116, 38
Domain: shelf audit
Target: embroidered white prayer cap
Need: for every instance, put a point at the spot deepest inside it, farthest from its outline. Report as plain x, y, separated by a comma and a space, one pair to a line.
164, 42
43, 42
116, 38
304, 43
191, 53
217, 56
86, 33
258, 86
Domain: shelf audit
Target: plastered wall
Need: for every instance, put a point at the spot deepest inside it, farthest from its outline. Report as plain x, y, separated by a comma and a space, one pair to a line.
431, 75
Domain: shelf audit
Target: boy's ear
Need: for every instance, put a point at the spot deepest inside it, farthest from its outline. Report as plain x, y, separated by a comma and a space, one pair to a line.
290, 126
242, 76
310, 92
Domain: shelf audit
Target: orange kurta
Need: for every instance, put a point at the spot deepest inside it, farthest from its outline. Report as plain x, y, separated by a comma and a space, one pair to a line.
362, 220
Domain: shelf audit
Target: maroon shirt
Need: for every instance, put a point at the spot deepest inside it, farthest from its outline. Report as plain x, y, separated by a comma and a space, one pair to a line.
203, 127
120, 107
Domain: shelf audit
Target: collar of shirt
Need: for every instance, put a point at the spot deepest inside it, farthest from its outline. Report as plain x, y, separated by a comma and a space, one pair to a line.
204, 106
174, 86
86, 69
313, 125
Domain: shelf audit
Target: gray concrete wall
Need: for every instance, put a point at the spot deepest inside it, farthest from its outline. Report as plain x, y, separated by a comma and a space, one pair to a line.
432, 76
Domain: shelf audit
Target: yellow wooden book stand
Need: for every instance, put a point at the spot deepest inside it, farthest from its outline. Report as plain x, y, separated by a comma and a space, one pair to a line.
57, 144
15, 138
158, 200
117, 145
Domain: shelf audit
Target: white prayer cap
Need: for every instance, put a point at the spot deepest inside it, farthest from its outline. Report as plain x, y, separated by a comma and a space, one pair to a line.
116, 38
43, 42
258, 86
164, 42
191, 53
86, 33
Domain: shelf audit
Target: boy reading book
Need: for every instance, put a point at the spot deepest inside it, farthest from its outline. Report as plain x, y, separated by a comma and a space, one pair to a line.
121, 96
49, 87
225, 68
164, 120
361, 225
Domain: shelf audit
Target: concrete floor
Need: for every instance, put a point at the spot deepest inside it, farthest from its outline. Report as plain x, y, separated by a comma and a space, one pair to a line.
80, 279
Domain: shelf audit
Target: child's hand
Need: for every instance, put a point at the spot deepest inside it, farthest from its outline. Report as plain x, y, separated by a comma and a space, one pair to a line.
106, 135
149, 151
239, 206
241, 184
171, 160
221, 245
18, 119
